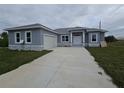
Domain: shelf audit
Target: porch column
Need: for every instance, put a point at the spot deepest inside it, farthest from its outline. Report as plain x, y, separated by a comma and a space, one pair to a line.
71, 38
83, 38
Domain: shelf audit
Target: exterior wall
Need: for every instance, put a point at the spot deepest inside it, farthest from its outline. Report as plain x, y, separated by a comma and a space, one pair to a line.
38, 40
88, 42
69, 43
60, 43
86, 39
58, 38
102, 36
26, 47
37, 43
94, 44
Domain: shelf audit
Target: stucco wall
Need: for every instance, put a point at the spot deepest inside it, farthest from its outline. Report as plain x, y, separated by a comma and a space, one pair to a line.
36, 37
102, 36
36, 40
94, 44
67, 43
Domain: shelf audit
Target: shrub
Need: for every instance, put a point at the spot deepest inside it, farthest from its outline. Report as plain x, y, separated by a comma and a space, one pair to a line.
110, 39
4, 40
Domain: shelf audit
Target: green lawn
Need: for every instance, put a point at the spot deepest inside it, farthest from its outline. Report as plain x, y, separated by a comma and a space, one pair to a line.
111, 59
12, 59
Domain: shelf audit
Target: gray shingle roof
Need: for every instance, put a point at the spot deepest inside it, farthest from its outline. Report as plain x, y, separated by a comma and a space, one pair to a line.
32, 26
66, 30
57, 31
96, 29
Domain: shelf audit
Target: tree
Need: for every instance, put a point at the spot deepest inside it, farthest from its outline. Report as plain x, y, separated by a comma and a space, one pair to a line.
4, 40
110, 38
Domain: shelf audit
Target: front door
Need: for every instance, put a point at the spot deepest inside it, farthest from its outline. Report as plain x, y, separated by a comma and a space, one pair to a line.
76, 40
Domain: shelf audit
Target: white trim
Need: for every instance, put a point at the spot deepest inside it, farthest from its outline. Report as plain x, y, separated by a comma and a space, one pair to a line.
71, 37
64, 35
77, 31
16, 37
96, 37
83, 37
26, 37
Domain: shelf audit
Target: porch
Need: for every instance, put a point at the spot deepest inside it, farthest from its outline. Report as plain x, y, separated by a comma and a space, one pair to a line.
77, 38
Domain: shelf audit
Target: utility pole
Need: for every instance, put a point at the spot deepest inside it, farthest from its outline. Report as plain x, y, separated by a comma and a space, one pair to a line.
100, 24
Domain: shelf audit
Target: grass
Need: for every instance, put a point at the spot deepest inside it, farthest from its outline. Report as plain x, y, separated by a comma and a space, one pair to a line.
111, 59
12, 59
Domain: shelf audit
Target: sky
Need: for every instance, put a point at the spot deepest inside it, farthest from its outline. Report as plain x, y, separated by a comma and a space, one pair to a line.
69, 15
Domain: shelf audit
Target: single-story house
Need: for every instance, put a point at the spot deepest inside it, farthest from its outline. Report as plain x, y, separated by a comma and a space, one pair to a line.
38, 37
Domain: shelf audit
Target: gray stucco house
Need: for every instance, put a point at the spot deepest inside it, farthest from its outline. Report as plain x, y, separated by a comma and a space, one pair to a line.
38, 37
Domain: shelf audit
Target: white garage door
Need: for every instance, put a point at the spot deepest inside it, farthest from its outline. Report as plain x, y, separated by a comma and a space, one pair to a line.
50, 41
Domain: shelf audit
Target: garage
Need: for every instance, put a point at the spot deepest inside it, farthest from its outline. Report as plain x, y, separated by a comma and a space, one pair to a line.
50, 41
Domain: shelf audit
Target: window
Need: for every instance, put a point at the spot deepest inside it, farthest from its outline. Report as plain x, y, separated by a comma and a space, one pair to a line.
17, 37
64, 38
28, 37
94, 37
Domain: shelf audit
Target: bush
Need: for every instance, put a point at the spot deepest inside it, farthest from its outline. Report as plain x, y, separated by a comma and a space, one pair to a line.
110, 39
4, 40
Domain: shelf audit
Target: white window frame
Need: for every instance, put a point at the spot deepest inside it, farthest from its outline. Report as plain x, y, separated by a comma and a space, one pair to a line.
65, 36
26, 37
16, 37
96, 37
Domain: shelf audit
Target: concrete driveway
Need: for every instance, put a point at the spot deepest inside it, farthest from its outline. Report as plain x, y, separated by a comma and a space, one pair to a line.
65, 67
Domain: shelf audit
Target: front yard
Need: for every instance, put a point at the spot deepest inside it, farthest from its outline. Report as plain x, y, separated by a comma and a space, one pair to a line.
111, 59
12, 59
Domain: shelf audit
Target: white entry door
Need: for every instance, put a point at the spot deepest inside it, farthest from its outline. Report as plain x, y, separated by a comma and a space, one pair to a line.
77, 40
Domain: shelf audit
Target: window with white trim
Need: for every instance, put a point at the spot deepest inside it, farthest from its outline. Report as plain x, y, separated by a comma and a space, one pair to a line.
17, 37
94, 37
65, 38
28, 37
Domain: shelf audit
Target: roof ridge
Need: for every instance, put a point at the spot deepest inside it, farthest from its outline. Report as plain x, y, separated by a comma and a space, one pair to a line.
31, 26
25, 25
73, 27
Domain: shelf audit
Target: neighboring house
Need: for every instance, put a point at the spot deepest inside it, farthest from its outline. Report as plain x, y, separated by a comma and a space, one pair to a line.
38, 37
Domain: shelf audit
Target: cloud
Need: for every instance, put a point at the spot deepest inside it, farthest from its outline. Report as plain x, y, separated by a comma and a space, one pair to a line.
57, 16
